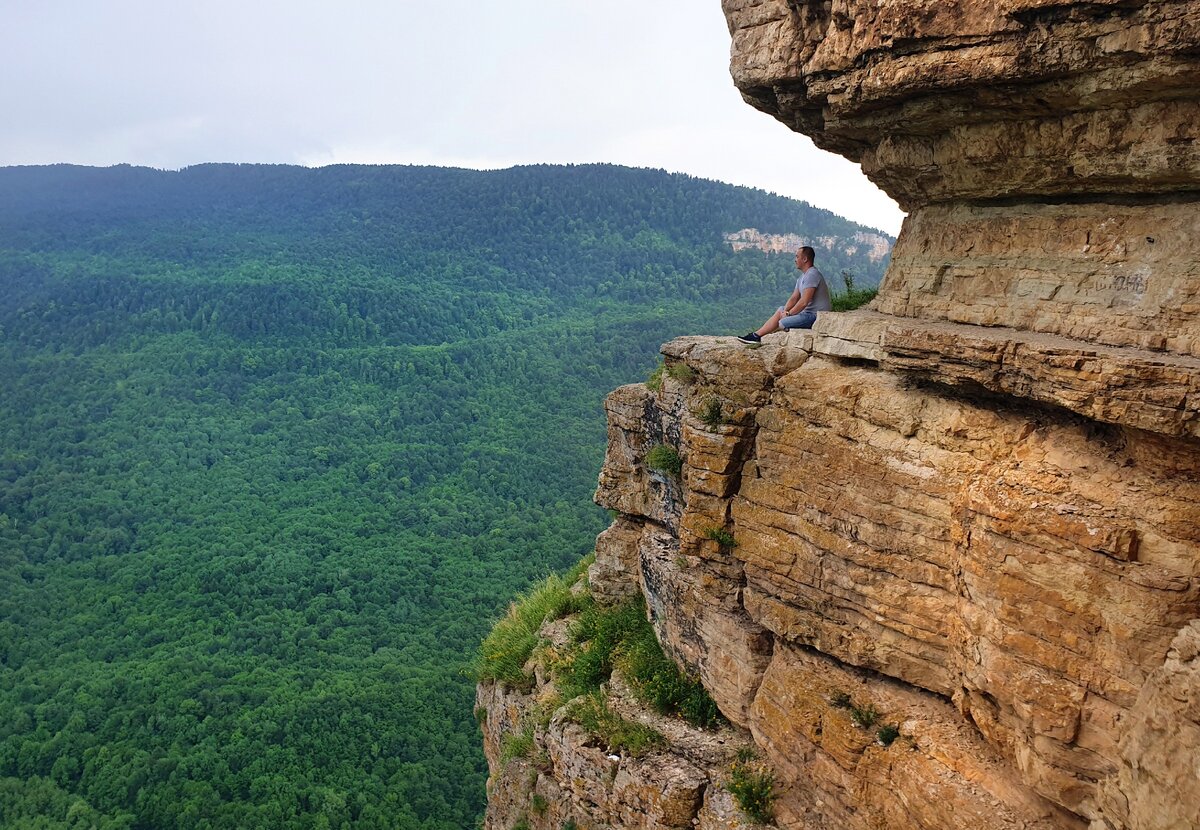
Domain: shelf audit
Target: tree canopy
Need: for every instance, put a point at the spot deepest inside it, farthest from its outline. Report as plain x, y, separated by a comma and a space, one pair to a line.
278, 445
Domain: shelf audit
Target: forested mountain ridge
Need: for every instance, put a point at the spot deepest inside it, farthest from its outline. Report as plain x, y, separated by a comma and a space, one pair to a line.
277, 444
340, 236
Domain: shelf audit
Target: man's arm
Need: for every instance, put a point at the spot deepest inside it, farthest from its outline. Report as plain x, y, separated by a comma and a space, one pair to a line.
794, 307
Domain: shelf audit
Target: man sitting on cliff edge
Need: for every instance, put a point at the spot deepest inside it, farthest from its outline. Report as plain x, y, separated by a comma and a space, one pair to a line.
810, 296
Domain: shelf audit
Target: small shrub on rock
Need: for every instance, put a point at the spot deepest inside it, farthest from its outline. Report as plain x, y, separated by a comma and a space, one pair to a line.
864, 716
665, 459
710, 413
722, 537
659, 682
681, 372
605, 637
753, 787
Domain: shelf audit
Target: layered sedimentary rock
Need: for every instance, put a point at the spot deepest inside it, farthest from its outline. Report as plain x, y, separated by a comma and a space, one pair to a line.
1046, 151
972, 511
1000, 578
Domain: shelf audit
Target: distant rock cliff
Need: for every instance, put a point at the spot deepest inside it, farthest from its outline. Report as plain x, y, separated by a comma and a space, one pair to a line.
874, 245
972, 511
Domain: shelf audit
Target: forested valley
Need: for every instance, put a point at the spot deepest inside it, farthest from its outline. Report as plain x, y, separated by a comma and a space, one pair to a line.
278, 445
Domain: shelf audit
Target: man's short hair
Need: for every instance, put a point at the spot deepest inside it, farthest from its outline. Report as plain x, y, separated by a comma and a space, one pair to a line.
809, 254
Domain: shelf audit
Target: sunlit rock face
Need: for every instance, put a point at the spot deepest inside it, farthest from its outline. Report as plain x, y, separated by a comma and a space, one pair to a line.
1047, 151
971, 511
1009, 580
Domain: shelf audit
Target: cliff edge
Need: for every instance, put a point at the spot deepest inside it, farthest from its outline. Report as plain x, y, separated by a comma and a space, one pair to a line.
970, 513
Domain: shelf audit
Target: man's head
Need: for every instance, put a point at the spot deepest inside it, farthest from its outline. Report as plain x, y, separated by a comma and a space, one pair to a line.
805, 258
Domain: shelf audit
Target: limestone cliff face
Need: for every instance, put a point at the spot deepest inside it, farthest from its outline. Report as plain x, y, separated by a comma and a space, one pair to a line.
1046, 150
974, 507
1013, 584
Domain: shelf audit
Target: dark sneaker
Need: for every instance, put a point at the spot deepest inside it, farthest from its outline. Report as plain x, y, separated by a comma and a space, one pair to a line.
751, 339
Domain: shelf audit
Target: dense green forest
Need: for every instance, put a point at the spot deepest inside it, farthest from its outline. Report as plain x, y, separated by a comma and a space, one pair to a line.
278, 445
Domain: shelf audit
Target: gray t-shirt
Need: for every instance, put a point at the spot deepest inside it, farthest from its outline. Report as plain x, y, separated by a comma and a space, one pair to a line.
814, 278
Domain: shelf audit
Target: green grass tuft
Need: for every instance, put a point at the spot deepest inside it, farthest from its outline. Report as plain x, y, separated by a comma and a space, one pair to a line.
616, 733
665, 458
864, 715
681, 372
722, 537
753, 787
710, 413
655, 381
854, 298
505, 650
516, 745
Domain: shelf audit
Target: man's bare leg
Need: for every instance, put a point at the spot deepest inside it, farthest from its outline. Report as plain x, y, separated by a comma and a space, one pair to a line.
771, 325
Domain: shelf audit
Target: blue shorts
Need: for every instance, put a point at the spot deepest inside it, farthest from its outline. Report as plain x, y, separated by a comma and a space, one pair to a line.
801, 320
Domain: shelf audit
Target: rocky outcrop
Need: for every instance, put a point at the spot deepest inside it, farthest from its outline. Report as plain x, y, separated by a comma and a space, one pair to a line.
572, 778
1001, 577
972, 511
1046, 151
876, 246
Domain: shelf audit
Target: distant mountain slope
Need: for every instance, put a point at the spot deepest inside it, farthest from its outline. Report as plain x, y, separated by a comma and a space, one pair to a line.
277, 444
397, 246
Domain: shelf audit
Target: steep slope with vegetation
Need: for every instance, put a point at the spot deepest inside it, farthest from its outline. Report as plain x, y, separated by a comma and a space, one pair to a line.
277, 445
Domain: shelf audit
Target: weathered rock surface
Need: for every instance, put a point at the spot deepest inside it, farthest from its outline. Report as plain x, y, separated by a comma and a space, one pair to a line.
1048, 152
928, 522
569, 776
1117, 274
1158, 781
948, 101
975, 507
1000, 576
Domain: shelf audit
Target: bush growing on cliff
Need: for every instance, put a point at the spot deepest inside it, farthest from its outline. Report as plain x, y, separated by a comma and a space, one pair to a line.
622, 637
752, 785
596, 637
657, 679
654, 382
505, 650
665, 459
710, 413
854, 298
722, 537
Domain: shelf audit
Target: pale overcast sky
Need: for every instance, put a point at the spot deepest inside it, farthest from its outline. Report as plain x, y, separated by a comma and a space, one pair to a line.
482, 84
